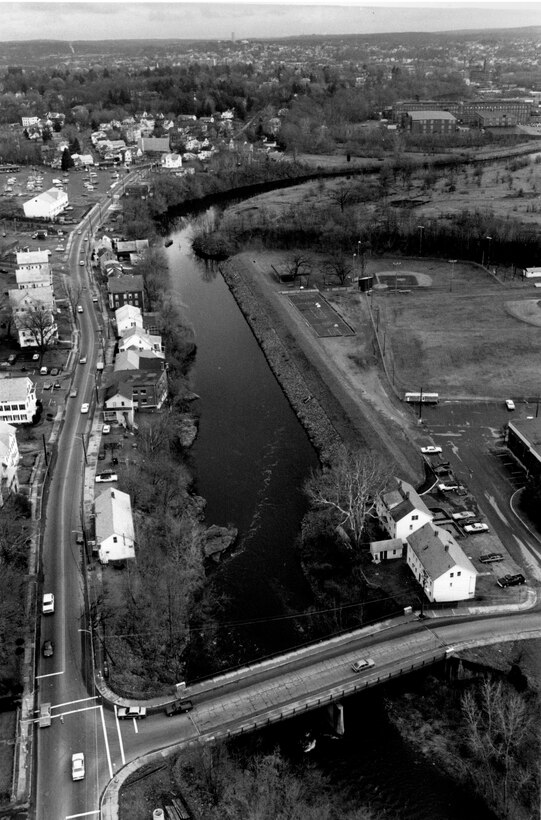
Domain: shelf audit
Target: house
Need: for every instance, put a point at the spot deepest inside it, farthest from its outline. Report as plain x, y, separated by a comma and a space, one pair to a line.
387, 549
440, 566
128, 317
28, 121
115, 534
127, 250
401, 510
138, 360
46, 205
127, 289
18, 403
33, 269
9, 461
135, 338
118, 406
171, 161
33, 315
148, 386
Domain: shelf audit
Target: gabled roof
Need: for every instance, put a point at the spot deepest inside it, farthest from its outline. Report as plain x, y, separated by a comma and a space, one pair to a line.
438, 551
33, 257
126, 283
119, 389
127, 312
402, 499
113, 515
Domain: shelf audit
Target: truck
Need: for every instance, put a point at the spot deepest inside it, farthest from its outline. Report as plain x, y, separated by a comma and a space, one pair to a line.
136, 712
99, 365
44, 715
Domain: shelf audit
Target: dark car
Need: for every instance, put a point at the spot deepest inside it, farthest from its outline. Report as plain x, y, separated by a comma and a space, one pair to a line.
178, 707
48, 649
511, 580
491, 557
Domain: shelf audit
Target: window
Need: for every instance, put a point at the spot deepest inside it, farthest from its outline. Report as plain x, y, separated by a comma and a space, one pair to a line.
458, 573
451, 575
114, 539
414, 517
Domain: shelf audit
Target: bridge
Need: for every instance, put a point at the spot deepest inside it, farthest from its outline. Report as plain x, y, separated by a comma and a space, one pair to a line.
256, 696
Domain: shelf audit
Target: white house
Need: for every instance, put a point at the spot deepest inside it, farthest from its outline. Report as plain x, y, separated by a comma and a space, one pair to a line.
115, 534
171, 161
33, 269
17, 400
33, 315
135, 338
440, 566
28, 121
401, 509
9, 460
119, 407
46, 205
128, 317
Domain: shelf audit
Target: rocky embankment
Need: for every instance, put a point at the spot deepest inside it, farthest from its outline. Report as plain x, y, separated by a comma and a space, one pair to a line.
310, 413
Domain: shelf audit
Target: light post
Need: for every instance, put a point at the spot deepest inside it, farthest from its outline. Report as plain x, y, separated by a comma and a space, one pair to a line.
396, 266
489, 240
452, 263
420, 228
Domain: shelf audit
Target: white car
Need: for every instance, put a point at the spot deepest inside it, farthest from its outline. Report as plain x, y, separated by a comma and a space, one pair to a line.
460, 516
447, 488
78, 766
106, 429
82, 263
85, 407
363, 663
476, 527
82, 360
104, 478
432, 449
47, 606
510, 404
80, 309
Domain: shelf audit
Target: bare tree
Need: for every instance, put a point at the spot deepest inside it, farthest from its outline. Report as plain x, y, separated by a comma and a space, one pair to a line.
342, 195
298, 265
38, 320
339, 266
349, 488
499, 731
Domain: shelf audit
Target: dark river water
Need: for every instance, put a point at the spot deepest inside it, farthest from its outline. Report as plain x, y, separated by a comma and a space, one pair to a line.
250, 459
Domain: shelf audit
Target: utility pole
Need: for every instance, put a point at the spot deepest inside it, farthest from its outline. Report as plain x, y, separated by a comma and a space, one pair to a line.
396, 266
421, 229
421, 404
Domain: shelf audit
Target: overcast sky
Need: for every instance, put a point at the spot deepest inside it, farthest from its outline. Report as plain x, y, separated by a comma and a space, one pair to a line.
126, 20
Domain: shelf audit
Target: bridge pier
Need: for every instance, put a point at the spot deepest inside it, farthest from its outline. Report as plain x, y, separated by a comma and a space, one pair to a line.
335, 716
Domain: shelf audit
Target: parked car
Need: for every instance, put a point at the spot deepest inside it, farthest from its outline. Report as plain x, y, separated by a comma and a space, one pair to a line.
432, 449
35, 357
462, 515
85, 407
43, 370
54, 371
47, 649
73, 392
137, 712
447, 488
47, 386
12, 358
477, 526
106, 429
44, 715
78, 766
511, 580
57, 386
510, 404
103, 478
362, 663
82, 263
491, 557
80, 308
82, 360
47, 606
178, 707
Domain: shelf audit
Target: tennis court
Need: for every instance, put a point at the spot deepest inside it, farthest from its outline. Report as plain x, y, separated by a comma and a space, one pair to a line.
319, 314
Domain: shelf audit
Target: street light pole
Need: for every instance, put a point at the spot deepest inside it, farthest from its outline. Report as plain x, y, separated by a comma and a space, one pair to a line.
453, 263
396, 266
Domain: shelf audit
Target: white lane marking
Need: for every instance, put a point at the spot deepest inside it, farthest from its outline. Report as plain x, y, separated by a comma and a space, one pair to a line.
84, 814
119, 737
106, 743
492, 501
49, 675
135, 726
72, 702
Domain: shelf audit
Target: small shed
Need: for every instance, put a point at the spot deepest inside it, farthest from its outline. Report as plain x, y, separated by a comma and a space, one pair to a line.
386, 550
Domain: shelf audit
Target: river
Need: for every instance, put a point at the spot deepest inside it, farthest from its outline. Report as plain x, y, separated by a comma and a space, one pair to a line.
250, 459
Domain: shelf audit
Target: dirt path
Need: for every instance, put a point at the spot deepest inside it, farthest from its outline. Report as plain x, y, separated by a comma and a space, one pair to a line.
354, 400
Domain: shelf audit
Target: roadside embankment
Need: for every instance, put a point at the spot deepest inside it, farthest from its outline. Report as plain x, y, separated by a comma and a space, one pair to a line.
312, 416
